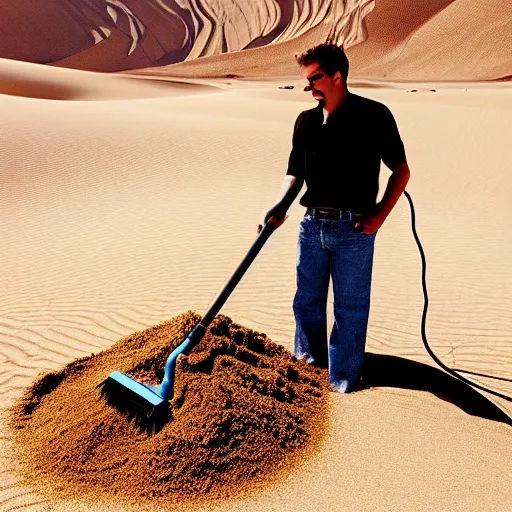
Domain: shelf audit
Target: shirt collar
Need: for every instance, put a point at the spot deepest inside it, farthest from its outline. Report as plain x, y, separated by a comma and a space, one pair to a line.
334, 115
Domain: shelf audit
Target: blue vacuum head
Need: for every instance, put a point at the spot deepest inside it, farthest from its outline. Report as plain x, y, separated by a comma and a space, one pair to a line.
148, 405
141, 403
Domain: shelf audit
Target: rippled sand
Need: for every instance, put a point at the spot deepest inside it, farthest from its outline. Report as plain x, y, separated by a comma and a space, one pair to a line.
117, 214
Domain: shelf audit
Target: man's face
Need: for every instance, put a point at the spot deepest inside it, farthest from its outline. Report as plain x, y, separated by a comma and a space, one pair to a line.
321, 84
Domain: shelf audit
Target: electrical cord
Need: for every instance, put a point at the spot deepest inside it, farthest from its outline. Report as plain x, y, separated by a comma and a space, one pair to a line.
424, 316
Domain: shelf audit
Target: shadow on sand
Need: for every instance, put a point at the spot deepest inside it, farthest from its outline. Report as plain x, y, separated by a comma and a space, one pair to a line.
396, 372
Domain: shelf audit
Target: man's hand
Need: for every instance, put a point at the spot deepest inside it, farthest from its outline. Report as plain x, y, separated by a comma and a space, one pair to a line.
265, 216
370, 224
289, 189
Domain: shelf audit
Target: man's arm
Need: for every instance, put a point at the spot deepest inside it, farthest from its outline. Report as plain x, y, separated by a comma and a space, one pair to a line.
290, 188
287, 184
393, 156
292, 182
394, 189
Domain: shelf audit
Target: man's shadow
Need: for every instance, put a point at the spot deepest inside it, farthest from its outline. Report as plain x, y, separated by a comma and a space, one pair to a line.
397, 372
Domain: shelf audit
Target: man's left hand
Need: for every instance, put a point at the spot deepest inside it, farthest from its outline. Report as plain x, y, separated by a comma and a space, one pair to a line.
370, 223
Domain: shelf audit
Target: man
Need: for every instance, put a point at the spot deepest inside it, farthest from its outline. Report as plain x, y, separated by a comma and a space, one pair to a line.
337, 148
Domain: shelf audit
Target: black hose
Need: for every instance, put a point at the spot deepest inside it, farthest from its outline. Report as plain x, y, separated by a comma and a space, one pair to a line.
424, 316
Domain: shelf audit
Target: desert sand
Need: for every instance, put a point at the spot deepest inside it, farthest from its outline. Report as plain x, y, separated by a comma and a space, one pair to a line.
126, 201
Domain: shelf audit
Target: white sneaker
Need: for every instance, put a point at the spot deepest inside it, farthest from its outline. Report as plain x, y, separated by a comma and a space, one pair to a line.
340, 387
309, 359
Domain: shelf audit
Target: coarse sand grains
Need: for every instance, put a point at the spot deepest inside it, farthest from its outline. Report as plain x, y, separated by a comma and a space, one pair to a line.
245, 413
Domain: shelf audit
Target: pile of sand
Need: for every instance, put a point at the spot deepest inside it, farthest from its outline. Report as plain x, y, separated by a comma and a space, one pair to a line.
245, 411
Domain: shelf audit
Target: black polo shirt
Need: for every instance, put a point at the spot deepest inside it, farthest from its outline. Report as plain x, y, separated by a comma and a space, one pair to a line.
340, 160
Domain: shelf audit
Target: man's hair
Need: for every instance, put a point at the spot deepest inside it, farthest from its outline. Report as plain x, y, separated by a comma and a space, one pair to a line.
329, 56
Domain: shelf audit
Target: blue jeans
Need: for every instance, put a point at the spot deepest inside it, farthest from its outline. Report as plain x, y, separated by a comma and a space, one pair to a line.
331, 248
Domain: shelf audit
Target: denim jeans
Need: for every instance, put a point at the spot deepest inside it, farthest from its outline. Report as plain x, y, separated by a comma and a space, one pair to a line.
332, 248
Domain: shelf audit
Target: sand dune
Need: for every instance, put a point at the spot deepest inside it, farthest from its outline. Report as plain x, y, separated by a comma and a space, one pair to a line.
395, 41
386, 40
388, 25
276, 59
118, 35
44, 82
139, 35
34, 33
110, 54
466, 40
134, 34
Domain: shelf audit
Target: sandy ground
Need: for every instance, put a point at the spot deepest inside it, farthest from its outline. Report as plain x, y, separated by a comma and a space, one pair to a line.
119, 210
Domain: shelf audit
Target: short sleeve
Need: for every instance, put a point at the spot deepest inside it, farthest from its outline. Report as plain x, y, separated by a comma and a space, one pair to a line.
296, 161
392, 148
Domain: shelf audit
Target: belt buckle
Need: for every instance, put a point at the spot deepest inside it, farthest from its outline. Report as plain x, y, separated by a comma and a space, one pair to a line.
324, 214
328, 214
